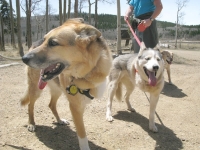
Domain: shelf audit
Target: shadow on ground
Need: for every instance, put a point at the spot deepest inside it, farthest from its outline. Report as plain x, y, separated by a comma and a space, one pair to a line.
165, 139
172, 90
61, 138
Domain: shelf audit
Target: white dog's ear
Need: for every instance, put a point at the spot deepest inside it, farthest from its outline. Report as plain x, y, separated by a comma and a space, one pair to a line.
142, 48
87, 34
157, 47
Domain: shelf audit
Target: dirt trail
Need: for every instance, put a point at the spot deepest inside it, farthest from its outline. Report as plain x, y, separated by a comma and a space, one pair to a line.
178, 109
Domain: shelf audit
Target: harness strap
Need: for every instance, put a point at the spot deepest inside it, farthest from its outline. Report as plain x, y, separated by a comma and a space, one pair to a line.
86, 93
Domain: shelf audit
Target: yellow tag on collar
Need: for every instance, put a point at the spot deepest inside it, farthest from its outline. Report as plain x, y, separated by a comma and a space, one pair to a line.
73, 89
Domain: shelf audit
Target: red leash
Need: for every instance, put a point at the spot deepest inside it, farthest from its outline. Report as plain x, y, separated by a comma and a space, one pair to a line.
138, 41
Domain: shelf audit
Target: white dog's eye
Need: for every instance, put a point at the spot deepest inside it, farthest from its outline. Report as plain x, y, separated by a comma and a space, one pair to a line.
158, 59
147, 58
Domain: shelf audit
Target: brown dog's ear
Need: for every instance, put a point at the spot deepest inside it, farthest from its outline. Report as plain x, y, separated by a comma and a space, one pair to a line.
87, 34
81, 20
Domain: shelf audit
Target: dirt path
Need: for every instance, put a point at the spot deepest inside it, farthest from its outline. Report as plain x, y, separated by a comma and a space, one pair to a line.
178, 109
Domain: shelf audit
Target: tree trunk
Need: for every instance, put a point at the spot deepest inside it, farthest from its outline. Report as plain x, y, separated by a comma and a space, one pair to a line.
76, 9
118, 28
95, 23
176, 33
41, 29
12, 26
38, 30
47, 16
60, 11
28, 23
64, 11
20, 47
2, 43
69, 9
89, 15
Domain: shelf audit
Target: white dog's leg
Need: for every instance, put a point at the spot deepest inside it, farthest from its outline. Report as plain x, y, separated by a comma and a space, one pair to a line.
83, 143
129, 90
153, 103
129, 107
111, 92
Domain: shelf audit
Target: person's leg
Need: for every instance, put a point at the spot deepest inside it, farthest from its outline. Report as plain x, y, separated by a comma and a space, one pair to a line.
150, 36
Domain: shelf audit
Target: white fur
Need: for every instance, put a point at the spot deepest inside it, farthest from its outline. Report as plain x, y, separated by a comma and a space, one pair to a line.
101, 89
83, 143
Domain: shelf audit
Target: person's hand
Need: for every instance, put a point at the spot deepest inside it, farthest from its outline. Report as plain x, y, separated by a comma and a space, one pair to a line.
147, 22
126, 18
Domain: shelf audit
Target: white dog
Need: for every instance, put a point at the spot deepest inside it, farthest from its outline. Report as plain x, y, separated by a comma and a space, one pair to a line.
144, 70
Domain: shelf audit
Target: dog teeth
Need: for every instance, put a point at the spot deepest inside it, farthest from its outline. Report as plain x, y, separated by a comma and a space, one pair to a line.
44, 76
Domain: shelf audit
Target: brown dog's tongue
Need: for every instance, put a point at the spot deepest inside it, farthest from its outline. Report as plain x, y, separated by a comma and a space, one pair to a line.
41, 83
152, 78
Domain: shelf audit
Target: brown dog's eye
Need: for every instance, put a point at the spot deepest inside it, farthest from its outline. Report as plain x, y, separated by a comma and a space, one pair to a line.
53, 43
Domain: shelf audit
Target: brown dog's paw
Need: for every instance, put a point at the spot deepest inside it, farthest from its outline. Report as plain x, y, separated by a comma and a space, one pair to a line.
63, 122
31, 128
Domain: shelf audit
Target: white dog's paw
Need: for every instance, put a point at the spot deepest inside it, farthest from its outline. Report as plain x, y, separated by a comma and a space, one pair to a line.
131, 109
109, 118
153, 128
63, 122
31, 128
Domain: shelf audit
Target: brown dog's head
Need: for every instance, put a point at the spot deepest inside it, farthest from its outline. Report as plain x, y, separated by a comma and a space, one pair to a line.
73, 47
167, 56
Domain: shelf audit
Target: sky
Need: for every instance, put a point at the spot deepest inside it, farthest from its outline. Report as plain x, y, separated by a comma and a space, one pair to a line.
191, 10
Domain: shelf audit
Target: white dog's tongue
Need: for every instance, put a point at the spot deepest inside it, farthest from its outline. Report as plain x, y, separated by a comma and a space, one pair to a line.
41, 83
152, 78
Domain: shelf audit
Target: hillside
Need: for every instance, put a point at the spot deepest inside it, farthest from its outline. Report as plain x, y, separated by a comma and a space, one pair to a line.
107, 24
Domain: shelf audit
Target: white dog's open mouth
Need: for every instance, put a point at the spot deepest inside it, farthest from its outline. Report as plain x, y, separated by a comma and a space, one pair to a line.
151, 76
49, 73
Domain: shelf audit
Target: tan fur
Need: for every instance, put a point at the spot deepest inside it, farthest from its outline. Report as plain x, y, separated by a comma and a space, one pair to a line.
87, 60
128, 70
168, 58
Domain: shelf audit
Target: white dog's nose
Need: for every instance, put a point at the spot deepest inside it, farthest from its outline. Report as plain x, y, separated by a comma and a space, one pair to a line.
155, 68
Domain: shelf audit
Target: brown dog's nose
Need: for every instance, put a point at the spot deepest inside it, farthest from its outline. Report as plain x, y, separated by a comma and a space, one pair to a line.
26, 58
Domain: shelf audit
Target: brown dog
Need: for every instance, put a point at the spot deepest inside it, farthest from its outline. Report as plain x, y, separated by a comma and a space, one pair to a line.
78, 60
168, 58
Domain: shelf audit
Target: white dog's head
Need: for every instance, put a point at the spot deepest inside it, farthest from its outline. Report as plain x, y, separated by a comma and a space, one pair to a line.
150, 64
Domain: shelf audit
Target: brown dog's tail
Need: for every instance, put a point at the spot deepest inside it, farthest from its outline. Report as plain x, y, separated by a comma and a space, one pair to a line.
118, 93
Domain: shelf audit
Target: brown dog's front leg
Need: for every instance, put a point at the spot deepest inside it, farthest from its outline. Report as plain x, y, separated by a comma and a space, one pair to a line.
77, 111
169, 75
